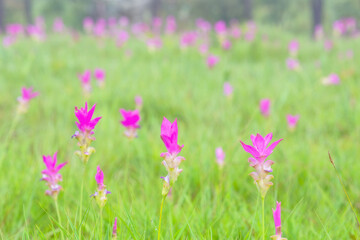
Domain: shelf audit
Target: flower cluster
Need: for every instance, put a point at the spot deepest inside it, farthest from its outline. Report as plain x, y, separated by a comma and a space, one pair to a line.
51, 175
169, 135
260, 151
86, 126
100, 195
277, 221
130, 122
26, 95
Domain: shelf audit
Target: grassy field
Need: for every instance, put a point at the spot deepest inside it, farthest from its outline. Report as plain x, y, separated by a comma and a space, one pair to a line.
206, 202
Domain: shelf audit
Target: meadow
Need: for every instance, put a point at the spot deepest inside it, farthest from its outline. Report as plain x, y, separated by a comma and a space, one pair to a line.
207, 201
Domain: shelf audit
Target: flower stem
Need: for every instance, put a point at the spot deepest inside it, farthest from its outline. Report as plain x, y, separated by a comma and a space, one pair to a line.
59, 218
101, 224
10, 133
81, 199
263, 217
161, 208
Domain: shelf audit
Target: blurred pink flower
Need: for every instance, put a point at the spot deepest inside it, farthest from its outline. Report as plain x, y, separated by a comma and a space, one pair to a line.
292, 64
100, 194
292, 120
203, 25
85, 122
332, 79
226, 44
99, 75
188, 39
319, 32
154, 43
235, 32
265, 107
228, 89
220, 156
204, 48
14, 29
114, 231
212, 60
58, 25
293, 47
85, 80
122, 38
169, 135
170, 25
138, 102
328, 45
26, 95
130, 122
51, 175
123, 21
156, 24
277, 221
220, 27
88, 24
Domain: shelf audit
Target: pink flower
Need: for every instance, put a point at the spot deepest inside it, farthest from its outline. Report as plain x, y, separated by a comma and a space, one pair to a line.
26, 95
51, 174
332, 79
226, 44
260, 151
292, 64
318, 32
220, 27
85, 123
85, 80
235, 32
188, 39
328, 45
170, 25
122, 38
58, 25
292, 121
212, 61
204, 48
123, 21
228, 89
114, 231
138, 102
154, 43
277, 221
293, 47
100, 195
130, 122
265, 107
88, 24
99, 75
220, 156
169, 135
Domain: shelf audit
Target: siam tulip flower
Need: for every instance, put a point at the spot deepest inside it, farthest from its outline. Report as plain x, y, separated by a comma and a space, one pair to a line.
277, 221
26, 95
203, 25
138, 102
349, 54
260, 151
122, 38
292, 121
86, 127
114, 231
293, 47
130, 122
156, 24
99, 29
51, 175
14, 30
293, 64
203, 48
220, 28
100, 195
265, 107
235, 32
332, 79
170, 25
112, 22
154, 44
188, 39
99, 75
88, 25
169, 135
8, 41
328, 45
339, 28
220, 157
85, 79
58, 25
226, 44
319, 32
123, 21
212, 60
228, 89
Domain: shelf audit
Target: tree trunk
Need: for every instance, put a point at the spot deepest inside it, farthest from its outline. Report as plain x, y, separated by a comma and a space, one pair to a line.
28, 11
317, 14
2, 16
247, 9
155, 8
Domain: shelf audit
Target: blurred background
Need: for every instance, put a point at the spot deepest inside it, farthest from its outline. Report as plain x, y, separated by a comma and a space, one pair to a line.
292, 15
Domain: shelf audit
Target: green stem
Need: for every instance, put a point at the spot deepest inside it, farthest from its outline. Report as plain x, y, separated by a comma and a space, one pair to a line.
263, 217
8, 136
161, 208
81, 200
59, 218
101, 224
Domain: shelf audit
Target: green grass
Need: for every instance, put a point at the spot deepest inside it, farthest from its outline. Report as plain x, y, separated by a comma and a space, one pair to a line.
206, 203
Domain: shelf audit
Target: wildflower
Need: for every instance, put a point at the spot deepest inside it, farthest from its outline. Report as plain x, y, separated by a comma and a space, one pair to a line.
122, 38
203, 48
265, 107
220, 157
228, 89
293, 47
212, 61
86, 126
130, 122
99, 75
292, 121
138, 102
260, 151
85, 79
51, 175
169, 135
332, 79
100, 195
293, 64
58, 25
88, 25
26, 95
226, 44
114, 231
154, 44
170, 25
277, 221
328, 45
